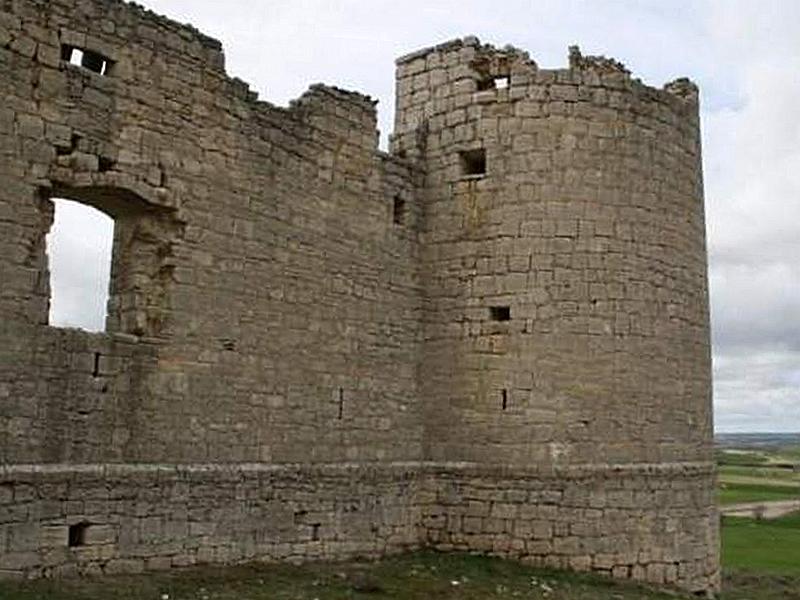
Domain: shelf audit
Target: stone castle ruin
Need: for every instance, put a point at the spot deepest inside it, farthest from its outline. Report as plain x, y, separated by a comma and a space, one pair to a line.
492, 338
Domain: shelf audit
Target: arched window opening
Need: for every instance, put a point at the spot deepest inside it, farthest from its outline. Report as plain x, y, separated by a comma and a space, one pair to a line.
79, 247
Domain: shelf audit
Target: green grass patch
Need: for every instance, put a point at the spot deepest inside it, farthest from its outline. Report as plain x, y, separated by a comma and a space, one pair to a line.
766, 547
751, 585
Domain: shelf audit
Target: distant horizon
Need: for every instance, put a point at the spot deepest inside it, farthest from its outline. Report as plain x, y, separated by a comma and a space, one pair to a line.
756, 432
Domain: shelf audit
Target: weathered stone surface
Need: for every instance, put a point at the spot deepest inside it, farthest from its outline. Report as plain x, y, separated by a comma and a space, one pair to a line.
493, 338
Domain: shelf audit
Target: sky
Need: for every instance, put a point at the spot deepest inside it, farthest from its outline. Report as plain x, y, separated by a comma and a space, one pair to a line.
744, 55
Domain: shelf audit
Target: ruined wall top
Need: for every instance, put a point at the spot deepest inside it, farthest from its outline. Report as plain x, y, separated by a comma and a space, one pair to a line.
593, 69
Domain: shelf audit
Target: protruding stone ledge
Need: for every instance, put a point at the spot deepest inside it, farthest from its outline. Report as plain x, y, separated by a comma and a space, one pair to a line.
29, 471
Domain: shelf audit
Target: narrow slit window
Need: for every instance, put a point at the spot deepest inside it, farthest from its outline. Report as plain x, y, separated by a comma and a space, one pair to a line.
473, 162
341, 404
79, 254
500, 313
504, 399
398, 210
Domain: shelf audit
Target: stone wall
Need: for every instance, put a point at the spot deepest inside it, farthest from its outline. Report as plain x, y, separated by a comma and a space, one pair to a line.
654, 523
90, 519
258, 279
493, 338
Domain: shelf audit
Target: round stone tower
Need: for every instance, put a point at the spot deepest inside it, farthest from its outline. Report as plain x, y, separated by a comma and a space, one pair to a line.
566, 326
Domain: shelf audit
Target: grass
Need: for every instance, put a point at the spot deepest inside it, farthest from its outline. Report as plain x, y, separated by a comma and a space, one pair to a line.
761, 560
762, 546
744, 585
791, 453
423, 575
419, 576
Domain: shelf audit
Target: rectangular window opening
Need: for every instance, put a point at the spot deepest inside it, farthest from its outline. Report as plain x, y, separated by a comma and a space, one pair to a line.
504, 397
398, 210
500, 313
93, 61
473, 162
493, 83
105, 164
79, 249
98, 273
76, 535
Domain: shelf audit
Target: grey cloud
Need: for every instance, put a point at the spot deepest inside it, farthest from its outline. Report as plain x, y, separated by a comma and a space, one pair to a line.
752, 154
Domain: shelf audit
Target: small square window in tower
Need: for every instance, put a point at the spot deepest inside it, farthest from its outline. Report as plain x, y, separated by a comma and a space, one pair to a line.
473, 162
500, 313
76, 535
492, 83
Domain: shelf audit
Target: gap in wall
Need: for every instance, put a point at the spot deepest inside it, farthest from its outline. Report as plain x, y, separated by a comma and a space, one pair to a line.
76, 535
398, 210
79, 256
473, 162
93, 61
500, 313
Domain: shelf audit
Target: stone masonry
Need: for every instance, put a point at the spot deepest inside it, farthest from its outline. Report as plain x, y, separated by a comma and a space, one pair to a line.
492, 338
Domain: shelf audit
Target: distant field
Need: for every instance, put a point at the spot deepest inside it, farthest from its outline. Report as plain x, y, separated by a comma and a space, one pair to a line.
736, 493
755, 457
783, 475
757, 475
728, 457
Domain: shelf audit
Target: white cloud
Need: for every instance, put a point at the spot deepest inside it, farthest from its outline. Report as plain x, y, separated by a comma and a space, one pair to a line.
79, 250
